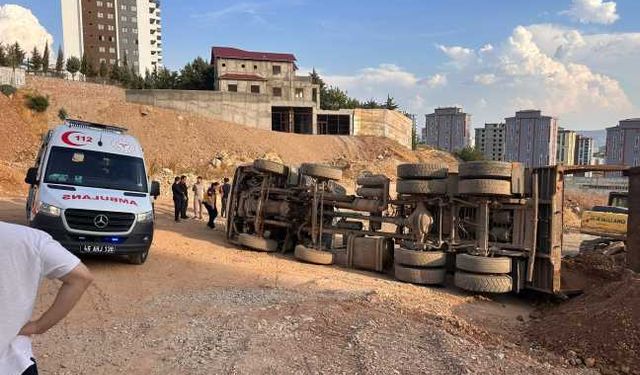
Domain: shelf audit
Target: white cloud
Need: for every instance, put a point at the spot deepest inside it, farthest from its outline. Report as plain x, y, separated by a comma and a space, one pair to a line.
18, 24
593, 11
486, 48
485, 79
436, 80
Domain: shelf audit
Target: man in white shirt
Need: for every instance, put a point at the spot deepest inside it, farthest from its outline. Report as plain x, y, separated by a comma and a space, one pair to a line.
26, 257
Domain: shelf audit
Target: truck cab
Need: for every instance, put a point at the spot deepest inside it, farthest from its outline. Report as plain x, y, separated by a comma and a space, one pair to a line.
89, 190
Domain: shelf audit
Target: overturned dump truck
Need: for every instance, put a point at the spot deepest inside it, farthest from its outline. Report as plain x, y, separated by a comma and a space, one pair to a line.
496, 227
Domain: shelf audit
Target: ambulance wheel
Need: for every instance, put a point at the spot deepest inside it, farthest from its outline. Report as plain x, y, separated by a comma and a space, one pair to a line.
138, 258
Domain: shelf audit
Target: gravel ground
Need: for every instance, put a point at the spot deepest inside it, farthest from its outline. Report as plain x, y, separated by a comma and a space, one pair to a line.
199, 306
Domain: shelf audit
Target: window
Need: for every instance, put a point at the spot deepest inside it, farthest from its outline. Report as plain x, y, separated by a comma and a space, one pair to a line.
112, 61
103, 61
100, 26
135, 31
232, 88
110, 16
101, 38
242, 66
101, 50
299, 93
314, 95
123, 18
255, 89
100, 15
109, 4
134, 19
277, 91
125, 40
223, 65
255, 67
276, 70
123, 7
112, 39
110, 27
133, 8
125, 29
99, 3
112, 50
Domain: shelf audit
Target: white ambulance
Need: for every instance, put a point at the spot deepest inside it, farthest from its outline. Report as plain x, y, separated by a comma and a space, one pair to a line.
90, 191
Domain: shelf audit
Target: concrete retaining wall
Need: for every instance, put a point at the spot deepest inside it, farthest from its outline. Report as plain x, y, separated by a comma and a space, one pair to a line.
383, 123
9, 77
241, 108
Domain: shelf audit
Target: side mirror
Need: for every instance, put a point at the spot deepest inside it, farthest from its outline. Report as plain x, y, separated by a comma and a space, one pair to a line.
155, 189
32, 176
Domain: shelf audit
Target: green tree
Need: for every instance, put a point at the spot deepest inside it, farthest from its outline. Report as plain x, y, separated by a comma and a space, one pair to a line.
3, 55
370, 104
104, 69
334, 98
469, 154
73, 66
35, 63
390, 103
197, 75
166, 79
45, 58
15, 55
114, 75
84, 65
60, 61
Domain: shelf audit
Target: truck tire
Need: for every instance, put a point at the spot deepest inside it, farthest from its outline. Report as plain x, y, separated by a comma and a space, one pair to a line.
485, 169
368, 192
372, 181
138, 258
414, 258
314, 256
269, 166
484, 187
257, 243
422, 171
422, 276
480, 264
321, 171
483, 283
421, 187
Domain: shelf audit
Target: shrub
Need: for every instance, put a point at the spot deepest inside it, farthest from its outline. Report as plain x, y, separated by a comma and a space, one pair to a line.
469, 154
8, 90
38, 103
62, 114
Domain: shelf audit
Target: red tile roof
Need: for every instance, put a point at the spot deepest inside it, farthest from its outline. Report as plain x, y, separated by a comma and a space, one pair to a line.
242, 77
238, 54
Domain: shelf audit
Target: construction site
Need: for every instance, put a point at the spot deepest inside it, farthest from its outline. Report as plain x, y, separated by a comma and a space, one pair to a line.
343, 250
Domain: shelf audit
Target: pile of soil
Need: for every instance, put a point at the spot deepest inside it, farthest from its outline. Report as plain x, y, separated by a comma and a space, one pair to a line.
576, 202
602, 324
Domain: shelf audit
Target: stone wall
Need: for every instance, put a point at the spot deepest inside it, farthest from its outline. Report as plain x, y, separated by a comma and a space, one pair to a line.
241, 108
8, 77
383, 123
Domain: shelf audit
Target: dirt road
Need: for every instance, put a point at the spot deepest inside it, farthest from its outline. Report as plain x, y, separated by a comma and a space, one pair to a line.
200, 306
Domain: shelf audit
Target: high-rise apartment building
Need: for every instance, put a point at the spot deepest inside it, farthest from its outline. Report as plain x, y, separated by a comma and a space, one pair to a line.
490, 140
566, 152
623, 143
114, 32
531, 138
447, 129
585, 148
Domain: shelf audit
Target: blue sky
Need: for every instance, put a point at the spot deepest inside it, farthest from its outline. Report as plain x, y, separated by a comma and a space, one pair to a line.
492, 57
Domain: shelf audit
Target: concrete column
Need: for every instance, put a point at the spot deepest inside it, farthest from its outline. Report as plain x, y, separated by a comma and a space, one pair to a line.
633, 222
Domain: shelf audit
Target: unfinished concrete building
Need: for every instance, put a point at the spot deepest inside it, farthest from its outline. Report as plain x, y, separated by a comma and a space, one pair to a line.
565, 154
490, 140
448, 129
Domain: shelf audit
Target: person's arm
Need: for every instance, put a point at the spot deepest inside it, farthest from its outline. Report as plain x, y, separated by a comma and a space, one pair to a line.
73, 286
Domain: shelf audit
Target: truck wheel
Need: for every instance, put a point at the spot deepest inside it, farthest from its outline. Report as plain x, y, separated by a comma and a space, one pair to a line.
372, 181
138, 258
257, 243
421, 187
321, 171
484, 187
485, 169
422, 171
423, 276
269, 166
368, 192
483, 283
416, 258
314, 256
480, 264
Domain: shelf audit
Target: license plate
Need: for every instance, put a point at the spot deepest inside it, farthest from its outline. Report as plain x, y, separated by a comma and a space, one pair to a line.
98, 249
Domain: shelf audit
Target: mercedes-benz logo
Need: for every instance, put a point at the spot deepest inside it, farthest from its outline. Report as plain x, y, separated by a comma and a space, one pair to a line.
101, 221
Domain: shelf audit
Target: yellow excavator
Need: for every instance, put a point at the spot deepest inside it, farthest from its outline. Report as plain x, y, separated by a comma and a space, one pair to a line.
608, 221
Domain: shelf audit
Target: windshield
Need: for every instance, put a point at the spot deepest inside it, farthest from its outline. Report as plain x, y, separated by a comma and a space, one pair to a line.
96, 169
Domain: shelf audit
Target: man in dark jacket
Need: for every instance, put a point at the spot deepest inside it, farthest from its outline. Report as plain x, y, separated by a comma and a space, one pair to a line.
185, 196
178, 198
226, 190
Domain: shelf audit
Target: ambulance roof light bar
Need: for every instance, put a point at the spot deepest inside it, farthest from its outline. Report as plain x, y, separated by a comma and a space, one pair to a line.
91, 125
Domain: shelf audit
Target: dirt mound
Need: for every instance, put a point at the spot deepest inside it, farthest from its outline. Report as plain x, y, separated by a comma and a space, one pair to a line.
18, 131
576, 202
601, 324
183, 142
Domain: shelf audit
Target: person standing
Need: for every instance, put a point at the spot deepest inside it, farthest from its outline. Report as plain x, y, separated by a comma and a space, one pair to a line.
226, 190
185, 196
176, 189
27, 256
198, 197
211, 204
